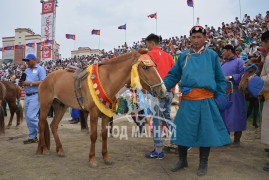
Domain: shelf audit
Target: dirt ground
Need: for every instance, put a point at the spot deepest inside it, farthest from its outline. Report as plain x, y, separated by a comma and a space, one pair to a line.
18, 161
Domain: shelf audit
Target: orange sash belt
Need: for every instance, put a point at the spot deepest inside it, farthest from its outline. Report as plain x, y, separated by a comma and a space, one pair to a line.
266, 95
231, 90
198, 94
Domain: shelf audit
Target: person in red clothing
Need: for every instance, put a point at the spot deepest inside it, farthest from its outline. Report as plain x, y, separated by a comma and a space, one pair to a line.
161, 113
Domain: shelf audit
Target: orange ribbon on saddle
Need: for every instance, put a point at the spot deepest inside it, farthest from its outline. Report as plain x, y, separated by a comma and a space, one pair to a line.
198, 94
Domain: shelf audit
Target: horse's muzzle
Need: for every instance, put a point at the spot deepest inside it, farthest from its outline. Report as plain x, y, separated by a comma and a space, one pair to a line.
163, 92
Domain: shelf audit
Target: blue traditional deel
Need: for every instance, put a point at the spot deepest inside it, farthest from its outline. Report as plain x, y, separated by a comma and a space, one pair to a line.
222, 102
255, 86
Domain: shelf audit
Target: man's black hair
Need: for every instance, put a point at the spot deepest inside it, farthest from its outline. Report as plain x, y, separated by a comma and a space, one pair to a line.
265, 36
155, 38
229, 47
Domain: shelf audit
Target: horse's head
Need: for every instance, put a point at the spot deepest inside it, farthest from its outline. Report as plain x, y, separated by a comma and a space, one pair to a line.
251, 67
148, 74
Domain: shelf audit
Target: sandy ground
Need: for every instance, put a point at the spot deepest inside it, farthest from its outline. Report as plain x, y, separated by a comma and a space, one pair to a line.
18, 161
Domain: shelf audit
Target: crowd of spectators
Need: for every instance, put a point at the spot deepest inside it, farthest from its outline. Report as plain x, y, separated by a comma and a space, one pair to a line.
244, 35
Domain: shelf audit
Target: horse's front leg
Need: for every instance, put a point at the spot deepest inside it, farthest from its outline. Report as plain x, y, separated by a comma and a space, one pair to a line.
93, 136
105, 127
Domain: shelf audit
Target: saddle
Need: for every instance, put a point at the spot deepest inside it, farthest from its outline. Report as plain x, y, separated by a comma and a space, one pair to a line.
79, 75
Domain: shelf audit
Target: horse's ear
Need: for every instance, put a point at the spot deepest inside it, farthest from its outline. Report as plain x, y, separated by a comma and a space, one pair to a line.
142, 51
133, 51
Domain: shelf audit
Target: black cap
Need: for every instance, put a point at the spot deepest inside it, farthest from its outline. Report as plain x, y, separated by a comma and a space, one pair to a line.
196, 29
265, 36
229, 47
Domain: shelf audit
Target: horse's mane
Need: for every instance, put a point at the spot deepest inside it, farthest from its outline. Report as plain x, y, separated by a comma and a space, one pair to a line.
123, 57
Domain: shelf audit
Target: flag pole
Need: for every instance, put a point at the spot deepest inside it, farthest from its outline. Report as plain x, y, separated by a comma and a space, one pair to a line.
193, 15
240, 10
156, 26
99, 43
125, 34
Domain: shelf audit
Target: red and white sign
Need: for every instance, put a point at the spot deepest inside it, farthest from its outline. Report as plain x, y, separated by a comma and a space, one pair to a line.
48, 7
46, 51
47, 26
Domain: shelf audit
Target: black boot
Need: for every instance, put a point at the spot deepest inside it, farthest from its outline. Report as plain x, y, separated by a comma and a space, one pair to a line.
237, 137
182, 163
266, 167
204, 153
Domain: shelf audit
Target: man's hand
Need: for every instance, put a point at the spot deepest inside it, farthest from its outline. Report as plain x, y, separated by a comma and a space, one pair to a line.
250, 77
227, 78
24, 83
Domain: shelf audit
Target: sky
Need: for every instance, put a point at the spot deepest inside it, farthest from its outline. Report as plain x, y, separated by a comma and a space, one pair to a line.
79, 17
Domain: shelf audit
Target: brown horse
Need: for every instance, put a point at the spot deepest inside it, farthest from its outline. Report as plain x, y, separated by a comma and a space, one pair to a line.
2, 118
13, 95
253, 66
58, 90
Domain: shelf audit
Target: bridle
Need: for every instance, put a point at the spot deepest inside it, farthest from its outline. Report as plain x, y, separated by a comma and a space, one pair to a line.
255, 65
150, 86
250, 66
148, 63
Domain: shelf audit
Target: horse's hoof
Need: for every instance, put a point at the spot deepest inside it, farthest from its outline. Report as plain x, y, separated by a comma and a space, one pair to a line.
38, 152
92, 165
108, 162
61, 154
8, 126
46, 152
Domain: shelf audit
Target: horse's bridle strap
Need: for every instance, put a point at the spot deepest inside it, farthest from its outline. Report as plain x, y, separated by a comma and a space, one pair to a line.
250, 66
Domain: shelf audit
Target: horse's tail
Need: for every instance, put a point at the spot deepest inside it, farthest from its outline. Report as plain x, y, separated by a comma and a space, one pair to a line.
2, 120
47, 135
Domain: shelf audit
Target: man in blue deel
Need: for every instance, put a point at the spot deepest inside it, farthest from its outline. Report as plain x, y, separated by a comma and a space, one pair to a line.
35, 74
198, 120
